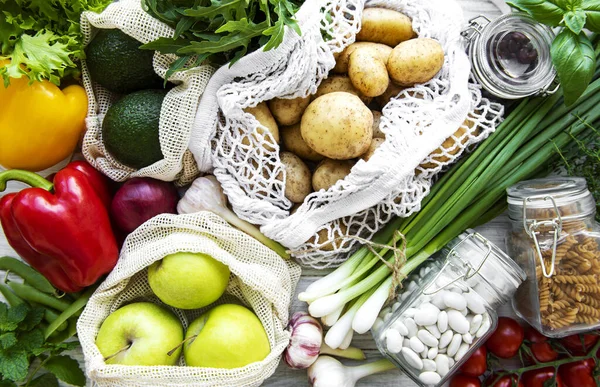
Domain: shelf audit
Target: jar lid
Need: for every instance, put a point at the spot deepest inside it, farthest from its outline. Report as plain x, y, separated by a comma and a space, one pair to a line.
570, 195
511, 55
492, 264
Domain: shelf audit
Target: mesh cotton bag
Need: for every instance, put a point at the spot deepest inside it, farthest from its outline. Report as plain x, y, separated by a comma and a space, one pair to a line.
445, 115
178, 109
259, 278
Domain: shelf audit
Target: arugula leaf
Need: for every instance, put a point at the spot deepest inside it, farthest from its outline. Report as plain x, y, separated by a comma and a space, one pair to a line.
592, 12
226, 8
66, 369
165, 45
574, 59
46, 380
544, 11
575, 20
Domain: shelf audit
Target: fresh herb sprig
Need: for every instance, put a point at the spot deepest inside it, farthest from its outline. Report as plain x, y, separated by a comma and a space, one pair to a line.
24, 351
220, 31
572, 51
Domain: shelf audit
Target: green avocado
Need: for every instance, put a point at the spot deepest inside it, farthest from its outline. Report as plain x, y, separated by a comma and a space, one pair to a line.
130, 128
116, 63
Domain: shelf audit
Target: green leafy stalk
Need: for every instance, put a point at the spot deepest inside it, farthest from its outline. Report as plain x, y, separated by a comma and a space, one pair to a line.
572, 51
221, 31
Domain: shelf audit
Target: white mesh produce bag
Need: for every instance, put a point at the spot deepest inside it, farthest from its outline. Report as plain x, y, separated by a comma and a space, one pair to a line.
416, 123
178, 109
261, 279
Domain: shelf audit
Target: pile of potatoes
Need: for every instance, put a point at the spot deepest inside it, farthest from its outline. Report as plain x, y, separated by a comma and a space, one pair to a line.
323, 135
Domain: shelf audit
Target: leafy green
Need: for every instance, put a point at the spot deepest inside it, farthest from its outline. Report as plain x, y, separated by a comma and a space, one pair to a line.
572, 52
575, 61
582, 159
46, 380
65, 369
42, 38
220, 31
22, 342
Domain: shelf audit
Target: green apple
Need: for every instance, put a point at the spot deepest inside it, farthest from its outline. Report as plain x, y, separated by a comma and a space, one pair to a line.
227, 336
188, 280
141, 333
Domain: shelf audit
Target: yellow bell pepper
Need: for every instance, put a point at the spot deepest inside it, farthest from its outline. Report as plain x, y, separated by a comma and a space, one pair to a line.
40, 124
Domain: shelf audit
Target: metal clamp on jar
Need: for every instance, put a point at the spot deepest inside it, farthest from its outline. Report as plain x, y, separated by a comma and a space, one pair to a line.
555, 240
451, 310
510, 56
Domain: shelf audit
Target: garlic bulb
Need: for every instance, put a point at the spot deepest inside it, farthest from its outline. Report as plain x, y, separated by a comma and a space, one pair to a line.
206, 194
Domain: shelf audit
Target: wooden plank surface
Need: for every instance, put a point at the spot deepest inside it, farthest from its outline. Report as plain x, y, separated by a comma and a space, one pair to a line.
284, 377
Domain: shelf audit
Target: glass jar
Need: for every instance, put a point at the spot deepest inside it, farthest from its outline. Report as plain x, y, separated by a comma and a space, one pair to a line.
555, 240
510, 55
450, 312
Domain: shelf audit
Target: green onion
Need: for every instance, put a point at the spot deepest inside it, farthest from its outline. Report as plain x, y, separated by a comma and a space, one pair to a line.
470, 193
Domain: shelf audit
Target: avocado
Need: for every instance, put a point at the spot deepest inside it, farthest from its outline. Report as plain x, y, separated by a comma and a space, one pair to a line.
130, 128
116, 63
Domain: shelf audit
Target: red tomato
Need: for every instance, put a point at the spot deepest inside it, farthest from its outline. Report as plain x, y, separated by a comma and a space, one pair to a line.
574, 343
543, 352
506, 339
464, 381
578, 374
505, 381
536, 378
476, 365
532, 335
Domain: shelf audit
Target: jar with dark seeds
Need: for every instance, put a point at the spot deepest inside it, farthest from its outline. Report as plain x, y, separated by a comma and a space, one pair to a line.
517, 45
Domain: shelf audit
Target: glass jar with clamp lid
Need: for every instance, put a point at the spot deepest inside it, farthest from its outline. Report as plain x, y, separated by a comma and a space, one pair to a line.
555, 239
450, 312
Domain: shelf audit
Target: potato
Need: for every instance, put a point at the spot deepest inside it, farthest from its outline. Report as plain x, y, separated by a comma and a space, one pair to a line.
341, 63
337, 125
368, 72
385, 26
415, 61
375, 143
377, 133
339, 83
293, 142
263, 115
288, 111
323, 236
297, 177
449, 145
392, 91
329, 172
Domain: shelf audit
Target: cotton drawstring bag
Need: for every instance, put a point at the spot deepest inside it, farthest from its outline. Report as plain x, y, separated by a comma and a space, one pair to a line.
427, 127
260, 279
178, 109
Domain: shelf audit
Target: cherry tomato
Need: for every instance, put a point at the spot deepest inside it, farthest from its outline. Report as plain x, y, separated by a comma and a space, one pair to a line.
574, 343
543, 352
505, 381
578, 374
532, 335
464, 381
506, 339
476, 365
536, 378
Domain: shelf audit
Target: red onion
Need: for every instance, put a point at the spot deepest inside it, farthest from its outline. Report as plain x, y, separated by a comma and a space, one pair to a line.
140, 199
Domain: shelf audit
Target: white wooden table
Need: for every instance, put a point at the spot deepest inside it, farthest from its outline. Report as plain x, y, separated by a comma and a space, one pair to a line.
495, 231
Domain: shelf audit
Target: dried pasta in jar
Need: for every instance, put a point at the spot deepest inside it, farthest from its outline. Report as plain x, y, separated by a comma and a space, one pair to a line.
555, 239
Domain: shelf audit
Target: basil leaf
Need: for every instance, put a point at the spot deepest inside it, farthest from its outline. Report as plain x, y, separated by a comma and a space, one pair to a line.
592, 12
543, 11
568, 5
575, 20
574, 59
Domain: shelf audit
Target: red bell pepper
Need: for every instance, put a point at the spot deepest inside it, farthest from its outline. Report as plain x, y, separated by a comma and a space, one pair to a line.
63, 229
